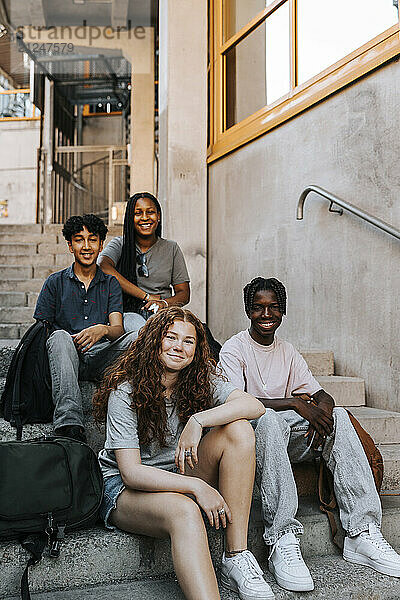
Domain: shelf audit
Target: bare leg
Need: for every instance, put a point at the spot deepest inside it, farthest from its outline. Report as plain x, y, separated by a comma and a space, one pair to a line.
163, 514
227, 461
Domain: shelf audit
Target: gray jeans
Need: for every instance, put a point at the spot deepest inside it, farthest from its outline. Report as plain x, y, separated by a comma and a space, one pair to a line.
280, 441
133, 321
67, 365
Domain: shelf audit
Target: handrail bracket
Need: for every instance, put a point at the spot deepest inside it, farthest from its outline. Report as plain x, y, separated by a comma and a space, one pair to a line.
339, 211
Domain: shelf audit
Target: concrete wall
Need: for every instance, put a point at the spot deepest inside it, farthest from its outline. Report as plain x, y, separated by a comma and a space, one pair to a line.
183, 135
342, 274
19, 141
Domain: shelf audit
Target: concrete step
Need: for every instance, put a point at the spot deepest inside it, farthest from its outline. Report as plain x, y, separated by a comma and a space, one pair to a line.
21, 285
52, 228
347, 391
13, 330
382, 425
13, 299
6, 353
17, 229
94, 556
15, 272
29, 237
38, 260
334, 579
17, 249
391, 476
320, 362
19, 314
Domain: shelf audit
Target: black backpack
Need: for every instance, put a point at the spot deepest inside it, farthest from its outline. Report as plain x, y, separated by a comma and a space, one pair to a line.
48, 487
27, 394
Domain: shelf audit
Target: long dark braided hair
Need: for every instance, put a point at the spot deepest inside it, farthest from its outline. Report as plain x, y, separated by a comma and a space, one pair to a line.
260, 284
127, 262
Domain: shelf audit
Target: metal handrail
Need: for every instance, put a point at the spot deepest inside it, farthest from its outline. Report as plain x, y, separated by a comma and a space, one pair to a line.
347, 206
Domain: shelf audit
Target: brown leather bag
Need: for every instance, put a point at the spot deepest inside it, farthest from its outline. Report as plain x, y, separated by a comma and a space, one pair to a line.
326, 493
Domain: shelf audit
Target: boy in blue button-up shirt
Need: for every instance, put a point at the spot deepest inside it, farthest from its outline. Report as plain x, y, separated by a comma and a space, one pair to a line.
85, 307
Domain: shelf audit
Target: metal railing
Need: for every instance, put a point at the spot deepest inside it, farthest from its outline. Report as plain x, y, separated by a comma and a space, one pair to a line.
82, 183
346, 206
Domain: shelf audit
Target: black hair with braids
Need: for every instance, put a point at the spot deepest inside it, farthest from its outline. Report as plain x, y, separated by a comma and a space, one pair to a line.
127, 262
93, 224
260, 284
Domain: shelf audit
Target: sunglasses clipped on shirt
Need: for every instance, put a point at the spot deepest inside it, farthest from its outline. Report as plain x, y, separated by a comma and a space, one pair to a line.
143, 270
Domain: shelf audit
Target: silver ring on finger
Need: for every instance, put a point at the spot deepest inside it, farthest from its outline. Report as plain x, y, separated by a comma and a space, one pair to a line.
221, 511
188, 453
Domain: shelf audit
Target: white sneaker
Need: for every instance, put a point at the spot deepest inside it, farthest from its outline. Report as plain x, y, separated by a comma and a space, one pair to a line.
242, 574
287, 565
371, 549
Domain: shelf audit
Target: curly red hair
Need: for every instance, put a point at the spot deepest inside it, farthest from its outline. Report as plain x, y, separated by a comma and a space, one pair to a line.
142, 368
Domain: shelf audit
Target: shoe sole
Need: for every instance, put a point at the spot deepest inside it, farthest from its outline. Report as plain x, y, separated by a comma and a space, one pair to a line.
228, 585
291, 587
359, 559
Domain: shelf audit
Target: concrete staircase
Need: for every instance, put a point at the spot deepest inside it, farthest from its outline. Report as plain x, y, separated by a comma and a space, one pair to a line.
97, 563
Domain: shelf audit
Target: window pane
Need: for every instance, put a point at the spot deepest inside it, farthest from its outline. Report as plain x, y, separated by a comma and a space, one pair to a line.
239, 12
278, 53
258, 68
328, 31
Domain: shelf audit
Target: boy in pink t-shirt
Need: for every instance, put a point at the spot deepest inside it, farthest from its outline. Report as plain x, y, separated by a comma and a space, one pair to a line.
300, 423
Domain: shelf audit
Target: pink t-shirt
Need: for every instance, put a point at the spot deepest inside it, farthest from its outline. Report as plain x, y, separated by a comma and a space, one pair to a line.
275, 371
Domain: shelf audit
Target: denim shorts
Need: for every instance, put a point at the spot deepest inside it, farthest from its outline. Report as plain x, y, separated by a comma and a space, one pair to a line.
113, 486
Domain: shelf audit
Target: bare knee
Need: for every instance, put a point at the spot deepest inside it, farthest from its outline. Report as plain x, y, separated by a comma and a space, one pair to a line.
239, 434
182, 514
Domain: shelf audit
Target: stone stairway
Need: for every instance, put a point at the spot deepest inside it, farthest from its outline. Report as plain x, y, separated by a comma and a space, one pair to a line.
102, 558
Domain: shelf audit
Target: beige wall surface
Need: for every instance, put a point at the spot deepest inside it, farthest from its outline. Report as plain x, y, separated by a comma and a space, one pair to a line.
183, 135
19, 141
342, 274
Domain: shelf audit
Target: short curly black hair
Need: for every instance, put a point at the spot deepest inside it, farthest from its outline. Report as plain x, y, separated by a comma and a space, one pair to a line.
92, 223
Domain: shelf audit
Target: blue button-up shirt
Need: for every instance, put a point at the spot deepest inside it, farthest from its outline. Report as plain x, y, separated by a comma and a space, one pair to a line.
65, 302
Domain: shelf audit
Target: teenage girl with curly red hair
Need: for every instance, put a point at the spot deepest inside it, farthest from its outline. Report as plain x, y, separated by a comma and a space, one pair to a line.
162, 463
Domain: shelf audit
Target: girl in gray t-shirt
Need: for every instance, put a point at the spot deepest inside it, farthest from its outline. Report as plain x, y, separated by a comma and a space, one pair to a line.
177, 441
151, 270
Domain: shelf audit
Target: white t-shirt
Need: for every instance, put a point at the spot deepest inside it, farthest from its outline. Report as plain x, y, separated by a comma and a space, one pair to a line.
275, 371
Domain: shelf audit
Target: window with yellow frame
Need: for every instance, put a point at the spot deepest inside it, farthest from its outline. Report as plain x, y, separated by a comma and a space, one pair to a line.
271, 60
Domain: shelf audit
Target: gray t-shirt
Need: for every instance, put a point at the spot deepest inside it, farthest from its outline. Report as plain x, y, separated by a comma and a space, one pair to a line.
121, 429
164, 260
